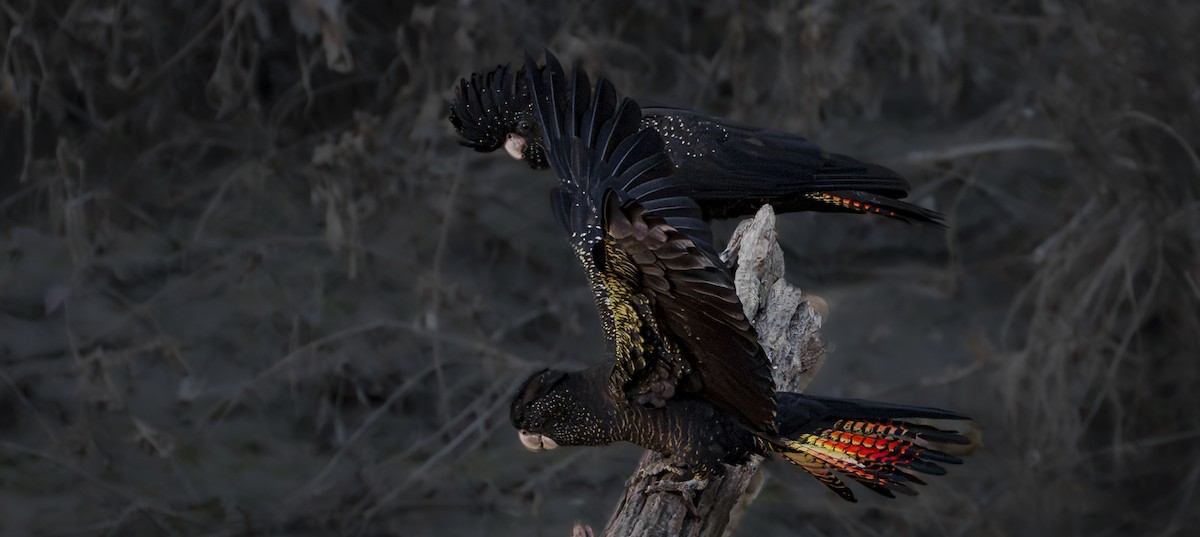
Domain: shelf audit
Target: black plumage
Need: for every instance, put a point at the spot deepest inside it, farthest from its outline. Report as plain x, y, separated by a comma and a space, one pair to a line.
732, 169
685, 375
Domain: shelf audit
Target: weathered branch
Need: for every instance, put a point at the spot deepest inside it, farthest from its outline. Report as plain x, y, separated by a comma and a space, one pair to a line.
788, 324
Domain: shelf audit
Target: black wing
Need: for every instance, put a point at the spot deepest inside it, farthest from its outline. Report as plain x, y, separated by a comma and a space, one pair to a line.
670, 311
733, 169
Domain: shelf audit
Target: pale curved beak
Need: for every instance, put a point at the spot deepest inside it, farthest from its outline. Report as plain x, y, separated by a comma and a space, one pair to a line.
515, 145
536, 442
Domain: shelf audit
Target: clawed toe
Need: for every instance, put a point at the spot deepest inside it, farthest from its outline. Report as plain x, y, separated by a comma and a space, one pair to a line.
688, 488
664, 466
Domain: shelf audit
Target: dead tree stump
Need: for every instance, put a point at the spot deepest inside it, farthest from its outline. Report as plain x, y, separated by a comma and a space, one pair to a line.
788, 324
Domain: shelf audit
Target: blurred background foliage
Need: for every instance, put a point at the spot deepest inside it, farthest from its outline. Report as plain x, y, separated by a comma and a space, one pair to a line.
250, 285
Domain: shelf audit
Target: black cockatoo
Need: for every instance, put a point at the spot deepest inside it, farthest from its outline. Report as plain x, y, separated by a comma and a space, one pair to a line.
731, 169
684, 374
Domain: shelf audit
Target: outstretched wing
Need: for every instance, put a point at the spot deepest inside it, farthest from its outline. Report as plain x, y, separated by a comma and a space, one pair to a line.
669, 308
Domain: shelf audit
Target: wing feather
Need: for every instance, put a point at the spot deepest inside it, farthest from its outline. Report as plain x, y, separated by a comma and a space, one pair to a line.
604, 102
580, 100
671, 313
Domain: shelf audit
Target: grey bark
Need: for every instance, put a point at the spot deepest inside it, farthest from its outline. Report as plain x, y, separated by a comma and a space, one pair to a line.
788, 324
